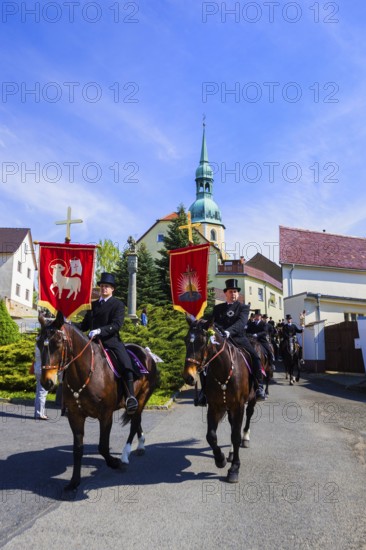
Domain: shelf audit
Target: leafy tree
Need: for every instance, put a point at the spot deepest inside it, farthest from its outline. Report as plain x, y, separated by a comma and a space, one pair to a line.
107, 257
9, 330
175, 238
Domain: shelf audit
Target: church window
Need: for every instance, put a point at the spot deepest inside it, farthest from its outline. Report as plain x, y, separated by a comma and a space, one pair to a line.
160, 238
213, 235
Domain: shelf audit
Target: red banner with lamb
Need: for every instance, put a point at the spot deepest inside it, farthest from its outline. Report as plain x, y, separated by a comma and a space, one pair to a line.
66, 274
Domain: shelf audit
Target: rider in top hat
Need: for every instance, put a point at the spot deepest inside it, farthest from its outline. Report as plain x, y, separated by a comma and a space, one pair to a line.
290, 329
260, 329
104, 321
231, 318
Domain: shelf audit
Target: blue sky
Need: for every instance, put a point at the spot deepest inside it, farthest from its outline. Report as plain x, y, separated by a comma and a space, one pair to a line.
113, 125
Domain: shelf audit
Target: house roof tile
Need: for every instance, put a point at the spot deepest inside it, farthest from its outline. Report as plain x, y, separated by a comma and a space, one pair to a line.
312, 248
11, 238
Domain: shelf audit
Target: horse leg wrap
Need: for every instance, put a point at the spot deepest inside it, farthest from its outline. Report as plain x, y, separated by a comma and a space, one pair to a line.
126, 453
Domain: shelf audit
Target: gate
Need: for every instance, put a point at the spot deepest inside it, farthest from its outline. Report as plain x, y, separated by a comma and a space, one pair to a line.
340, 352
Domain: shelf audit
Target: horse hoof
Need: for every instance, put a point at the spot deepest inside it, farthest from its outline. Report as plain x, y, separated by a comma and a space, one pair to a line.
230, 457
244, 444
232, 477
297, 378
220, 464
140, 452
69, 491
114, 463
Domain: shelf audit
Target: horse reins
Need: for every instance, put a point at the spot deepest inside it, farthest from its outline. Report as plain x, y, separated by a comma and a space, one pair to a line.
63, 367
203, 366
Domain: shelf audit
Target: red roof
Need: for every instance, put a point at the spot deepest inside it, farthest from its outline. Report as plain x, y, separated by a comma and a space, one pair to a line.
11, 238
169, 217
304, 247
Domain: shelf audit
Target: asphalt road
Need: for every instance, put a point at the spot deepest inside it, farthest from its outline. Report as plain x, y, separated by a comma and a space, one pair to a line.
302, 482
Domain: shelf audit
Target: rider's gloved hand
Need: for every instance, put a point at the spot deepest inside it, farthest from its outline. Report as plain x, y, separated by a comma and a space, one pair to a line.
227, 334
255, 335
94, 332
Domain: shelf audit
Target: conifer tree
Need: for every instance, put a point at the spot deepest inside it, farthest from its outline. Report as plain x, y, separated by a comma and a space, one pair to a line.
9, 330
175, 238
147, 278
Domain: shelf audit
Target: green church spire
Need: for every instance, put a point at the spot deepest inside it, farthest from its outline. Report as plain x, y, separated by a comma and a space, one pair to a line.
204, 209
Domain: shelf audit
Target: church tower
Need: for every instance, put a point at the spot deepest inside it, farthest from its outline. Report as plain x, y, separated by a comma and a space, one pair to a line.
204, 209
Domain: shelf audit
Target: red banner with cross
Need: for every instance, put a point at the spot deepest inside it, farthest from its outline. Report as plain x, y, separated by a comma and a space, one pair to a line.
66, 273
188, 269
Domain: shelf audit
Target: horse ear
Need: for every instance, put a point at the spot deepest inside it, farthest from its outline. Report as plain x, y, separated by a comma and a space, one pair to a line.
60, 320
190, 318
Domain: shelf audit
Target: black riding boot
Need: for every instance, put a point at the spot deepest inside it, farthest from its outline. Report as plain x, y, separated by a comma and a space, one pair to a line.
131, 401
260, 393
201, 400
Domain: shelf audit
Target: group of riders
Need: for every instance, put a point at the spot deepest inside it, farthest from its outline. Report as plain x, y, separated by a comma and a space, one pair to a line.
104, 321
234, 321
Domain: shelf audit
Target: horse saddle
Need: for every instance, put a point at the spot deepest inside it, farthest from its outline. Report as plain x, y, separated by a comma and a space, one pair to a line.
138, 367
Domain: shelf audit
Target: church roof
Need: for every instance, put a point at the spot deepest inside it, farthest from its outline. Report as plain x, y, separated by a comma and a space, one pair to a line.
204, 209
313, 248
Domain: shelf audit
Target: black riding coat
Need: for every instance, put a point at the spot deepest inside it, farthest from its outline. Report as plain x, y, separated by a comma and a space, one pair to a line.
233, 318
257, 328
109, 317
290, 330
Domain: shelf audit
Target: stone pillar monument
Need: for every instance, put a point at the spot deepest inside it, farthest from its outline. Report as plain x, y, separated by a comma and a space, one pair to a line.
132, 263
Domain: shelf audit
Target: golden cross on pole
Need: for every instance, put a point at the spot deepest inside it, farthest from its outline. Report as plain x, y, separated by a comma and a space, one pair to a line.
68, 222
189, 227
189, 274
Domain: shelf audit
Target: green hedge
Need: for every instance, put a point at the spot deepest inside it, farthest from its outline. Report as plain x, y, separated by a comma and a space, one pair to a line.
164, 335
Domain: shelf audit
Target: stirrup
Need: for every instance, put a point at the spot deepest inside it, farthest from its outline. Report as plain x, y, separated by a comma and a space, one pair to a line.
131, 405
260, 393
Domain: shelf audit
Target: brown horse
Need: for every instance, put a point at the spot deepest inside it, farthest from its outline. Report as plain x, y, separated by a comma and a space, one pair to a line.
264, 359
90, 388
228, 388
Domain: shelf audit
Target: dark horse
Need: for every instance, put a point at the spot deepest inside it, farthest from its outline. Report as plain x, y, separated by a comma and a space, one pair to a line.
264, 359
290, 352
228, 388
90, 388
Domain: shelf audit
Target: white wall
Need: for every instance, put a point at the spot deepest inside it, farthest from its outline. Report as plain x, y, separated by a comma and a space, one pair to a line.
324, 281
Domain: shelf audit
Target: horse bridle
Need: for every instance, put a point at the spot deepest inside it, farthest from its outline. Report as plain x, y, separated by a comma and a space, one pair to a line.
64, 354
202, 365
67, 351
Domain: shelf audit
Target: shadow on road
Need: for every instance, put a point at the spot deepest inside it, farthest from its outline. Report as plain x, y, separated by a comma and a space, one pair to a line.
46, 479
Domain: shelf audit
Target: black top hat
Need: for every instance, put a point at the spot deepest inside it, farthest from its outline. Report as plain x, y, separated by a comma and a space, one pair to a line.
265, 316
107, 279
257, 312
288, 316
233, 284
